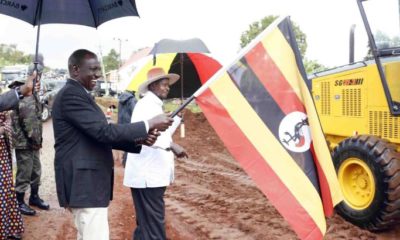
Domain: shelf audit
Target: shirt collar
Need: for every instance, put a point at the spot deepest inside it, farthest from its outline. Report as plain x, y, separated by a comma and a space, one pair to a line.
153, 98
80, 84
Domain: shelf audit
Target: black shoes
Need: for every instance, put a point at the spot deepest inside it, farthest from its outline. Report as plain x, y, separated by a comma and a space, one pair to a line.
14, 237
35, 200
26, 210
23, 208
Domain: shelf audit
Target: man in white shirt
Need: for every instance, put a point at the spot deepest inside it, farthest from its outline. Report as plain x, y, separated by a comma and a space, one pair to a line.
149, 172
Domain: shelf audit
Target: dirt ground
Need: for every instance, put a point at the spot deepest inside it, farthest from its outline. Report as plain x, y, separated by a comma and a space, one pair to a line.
212, 198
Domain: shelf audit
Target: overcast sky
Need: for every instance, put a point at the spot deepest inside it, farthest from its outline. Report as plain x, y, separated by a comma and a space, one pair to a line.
219, 23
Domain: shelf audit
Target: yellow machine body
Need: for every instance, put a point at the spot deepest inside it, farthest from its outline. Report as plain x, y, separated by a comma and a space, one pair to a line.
351, 101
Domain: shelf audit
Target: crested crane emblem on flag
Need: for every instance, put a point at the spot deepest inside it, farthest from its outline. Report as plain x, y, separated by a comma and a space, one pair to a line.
294, 132
261, 108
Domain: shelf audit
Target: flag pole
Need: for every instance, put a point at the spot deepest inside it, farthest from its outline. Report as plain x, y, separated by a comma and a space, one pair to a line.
181, 107
197, 93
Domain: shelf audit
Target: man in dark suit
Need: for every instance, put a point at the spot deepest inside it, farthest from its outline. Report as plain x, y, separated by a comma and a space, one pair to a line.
83, 144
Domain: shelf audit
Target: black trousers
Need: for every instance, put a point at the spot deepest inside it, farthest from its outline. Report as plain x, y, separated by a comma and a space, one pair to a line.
150, 213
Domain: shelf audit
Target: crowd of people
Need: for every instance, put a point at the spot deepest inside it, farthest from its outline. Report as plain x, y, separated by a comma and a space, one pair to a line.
83, 161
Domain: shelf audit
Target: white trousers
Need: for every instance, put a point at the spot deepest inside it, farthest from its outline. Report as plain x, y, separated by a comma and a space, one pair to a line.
91, 223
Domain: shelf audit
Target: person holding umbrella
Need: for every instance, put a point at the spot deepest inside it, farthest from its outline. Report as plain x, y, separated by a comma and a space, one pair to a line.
27, 126
149, 172
10, 99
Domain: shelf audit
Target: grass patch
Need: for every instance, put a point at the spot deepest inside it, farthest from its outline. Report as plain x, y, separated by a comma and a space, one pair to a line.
170, 105
173, 104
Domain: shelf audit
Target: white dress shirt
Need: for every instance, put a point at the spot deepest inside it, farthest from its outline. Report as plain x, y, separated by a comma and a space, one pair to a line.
153, 166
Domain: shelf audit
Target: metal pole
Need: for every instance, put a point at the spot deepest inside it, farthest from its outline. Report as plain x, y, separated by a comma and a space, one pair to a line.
394, 108
182, 129
36, 62
181, 60
120, 55
103, 70
351, 44
181, 107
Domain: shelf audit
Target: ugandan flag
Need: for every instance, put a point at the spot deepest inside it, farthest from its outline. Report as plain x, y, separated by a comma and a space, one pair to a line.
261, 108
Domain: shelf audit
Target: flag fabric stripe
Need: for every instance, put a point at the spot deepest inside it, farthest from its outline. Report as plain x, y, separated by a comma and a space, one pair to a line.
327, 177
255, 166
273, 80
284, 56
260, 99
325, 189
257, 101
286, 30
258, 134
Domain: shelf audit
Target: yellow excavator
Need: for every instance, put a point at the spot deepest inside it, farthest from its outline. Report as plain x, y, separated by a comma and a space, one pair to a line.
359, 108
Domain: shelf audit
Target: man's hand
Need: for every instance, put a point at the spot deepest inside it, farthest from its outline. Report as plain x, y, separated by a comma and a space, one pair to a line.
151, 137
160, 122
179, 151
26, 89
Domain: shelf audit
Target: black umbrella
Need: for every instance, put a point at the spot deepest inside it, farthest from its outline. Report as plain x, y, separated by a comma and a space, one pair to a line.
182, 48
90, 13
186, 50
193, 45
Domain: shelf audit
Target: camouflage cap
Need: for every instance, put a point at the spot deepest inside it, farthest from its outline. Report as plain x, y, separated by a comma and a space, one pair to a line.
31, 68
17, 83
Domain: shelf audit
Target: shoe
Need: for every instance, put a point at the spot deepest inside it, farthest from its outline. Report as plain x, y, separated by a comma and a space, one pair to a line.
38, 202
23, 208
35, 200
14, 237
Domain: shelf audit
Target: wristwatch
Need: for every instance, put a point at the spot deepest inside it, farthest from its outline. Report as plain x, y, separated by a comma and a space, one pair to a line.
18, 91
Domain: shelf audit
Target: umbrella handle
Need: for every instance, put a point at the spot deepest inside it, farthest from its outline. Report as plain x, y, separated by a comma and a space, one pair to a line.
38, 18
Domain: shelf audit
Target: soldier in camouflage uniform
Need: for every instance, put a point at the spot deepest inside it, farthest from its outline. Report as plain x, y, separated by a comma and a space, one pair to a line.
27, 127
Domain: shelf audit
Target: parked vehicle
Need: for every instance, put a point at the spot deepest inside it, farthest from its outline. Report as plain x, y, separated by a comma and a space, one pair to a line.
12, 73
359, 108
50, 88
101, 87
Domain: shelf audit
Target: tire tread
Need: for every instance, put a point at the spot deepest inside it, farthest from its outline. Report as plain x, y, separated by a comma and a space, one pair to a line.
385, 155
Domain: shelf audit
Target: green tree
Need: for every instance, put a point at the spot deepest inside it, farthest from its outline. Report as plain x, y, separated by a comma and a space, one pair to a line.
9, 55
111, 61
257, 27
312, 66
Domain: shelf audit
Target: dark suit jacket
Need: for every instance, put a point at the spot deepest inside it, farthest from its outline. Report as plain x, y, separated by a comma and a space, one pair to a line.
83, 144
8, 100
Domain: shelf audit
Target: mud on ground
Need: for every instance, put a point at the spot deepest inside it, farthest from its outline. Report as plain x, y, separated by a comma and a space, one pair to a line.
212, 198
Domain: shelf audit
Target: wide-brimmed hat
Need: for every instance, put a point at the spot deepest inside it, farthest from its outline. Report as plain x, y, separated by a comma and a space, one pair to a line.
154, 75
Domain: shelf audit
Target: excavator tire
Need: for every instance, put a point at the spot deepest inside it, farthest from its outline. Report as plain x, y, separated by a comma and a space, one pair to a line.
368, 169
